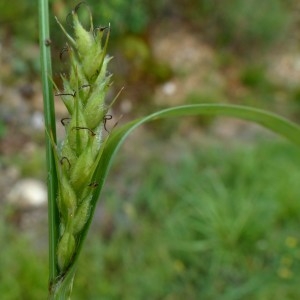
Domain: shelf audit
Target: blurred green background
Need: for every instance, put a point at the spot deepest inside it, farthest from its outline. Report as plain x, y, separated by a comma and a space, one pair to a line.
196, 208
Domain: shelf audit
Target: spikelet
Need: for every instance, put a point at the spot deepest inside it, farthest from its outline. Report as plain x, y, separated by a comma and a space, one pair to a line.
78, 155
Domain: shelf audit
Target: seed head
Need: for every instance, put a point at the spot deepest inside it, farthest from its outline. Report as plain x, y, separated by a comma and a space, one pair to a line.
84, 97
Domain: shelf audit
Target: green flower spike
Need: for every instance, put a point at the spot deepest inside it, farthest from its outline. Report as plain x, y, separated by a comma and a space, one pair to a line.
79, 154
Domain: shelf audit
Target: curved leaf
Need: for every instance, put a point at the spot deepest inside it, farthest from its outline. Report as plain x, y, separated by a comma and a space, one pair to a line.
271, 121
275, 123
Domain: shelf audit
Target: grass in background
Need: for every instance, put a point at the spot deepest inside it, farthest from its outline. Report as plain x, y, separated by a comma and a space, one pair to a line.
241, 25
230, 233
227, 234
23, 270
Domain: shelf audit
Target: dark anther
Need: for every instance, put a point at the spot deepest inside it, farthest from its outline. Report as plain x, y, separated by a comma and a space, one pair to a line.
74, 11
63, 50
84, 86
69, 15
105, 119
93, 184
48, 42
63, 121
78, 5
99, 28
62, 161
66, 94
85, 128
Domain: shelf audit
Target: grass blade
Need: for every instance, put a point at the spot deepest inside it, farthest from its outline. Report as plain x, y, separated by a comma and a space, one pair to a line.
49, 116
271, 121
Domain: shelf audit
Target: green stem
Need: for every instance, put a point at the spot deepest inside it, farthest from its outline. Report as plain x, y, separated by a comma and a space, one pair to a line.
49, 115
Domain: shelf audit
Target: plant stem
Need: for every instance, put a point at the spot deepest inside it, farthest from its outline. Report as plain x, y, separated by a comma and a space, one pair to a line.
49, 115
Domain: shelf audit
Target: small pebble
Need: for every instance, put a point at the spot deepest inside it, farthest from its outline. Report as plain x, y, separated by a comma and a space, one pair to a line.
28, 193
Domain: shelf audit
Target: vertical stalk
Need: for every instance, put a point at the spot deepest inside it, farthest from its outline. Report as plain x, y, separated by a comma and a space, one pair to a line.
49, 116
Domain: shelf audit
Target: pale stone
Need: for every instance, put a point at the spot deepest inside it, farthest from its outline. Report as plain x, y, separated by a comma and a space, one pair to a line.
28, 193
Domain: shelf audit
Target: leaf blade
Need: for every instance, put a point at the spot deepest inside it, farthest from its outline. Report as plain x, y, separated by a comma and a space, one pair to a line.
273, 122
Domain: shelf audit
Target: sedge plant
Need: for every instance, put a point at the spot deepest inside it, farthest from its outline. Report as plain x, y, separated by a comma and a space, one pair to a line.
78, 166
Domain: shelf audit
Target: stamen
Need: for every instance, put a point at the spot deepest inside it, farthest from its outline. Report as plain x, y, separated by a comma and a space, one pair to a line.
78, 5
62, 161
66, 94
105, 119
85, 86
99, 28
63, 121
85, 128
